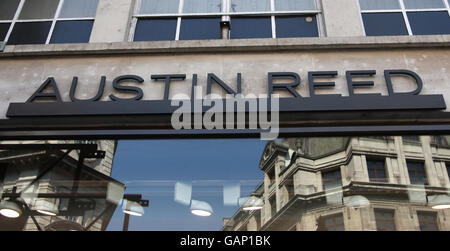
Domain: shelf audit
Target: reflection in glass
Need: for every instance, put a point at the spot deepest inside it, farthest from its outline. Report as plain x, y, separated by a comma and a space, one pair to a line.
423, 4
379, 4
427, 221
8, 9
250, 5
42, 9
159, 6
292, 5
385, 219
79, 8
202, 6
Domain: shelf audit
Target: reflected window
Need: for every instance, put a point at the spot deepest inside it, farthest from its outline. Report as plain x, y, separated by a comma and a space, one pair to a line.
271, 176
79, 8
423, 17
202, 6
43, 9
8, 9
377, 170
333, 222
411, 138
290, 5
385, 219
331, 179
416, 171
250, 5
427, 221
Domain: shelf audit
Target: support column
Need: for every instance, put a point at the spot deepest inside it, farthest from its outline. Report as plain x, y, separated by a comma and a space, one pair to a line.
112, 21
342, 18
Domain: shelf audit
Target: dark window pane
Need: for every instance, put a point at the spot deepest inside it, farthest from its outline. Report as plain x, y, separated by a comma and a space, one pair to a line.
8, 9
411, 138
377, 170
4, 27
251, 27
331, 223
30, 33
72, 31
332, 179
155, 29
384, 24
200, 28
42, 9
429, 23
416, 171
427, 221
385, 220
296, 27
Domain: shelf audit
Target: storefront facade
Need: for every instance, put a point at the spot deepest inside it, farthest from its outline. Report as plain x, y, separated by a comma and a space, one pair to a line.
109, 69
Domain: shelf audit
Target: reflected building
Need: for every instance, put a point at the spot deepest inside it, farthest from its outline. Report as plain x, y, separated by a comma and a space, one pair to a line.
353, 184
59, 185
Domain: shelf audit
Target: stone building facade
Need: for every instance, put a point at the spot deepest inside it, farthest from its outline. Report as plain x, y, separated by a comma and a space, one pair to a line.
354, 184
24, 172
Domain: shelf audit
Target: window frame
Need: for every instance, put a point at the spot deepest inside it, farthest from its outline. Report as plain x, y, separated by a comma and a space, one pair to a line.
403, 11
226, 14
426, 213
324, 181
54, 20
382, 220
377, 179
416, 172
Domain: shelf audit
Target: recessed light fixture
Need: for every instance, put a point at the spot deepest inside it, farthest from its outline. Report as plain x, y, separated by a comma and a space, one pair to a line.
251, 203
201, 208
46, 207
132, 208
441, 201
10, 209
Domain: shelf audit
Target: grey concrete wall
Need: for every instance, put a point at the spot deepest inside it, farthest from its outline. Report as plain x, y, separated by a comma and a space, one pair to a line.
20, 77
112, 21
342, 18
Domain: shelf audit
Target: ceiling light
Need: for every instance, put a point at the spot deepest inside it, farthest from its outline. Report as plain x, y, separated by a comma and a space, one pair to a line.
201, 208
132, 208
441, 201
10, 209
356, 201
46, 207
251, 203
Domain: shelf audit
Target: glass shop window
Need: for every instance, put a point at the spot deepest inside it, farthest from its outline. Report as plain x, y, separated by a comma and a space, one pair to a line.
46, 21
385, 219
216, 19
405, 17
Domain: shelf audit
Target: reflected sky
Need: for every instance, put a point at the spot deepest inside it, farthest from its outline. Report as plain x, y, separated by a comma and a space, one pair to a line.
152, 167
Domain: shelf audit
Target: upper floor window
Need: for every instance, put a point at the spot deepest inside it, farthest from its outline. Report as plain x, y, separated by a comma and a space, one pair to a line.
46, 21
333, 222
405, 17
159, 20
